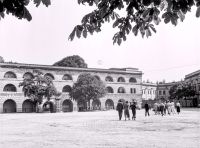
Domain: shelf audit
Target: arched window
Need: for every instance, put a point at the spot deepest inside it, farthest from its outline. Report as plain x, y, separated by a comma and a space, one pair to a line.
10, 88
49, 76
10, 74
132, 80
67, 77
120, 79
28, 75
109, 79
67, 88
109, 89
97, 77
121, 90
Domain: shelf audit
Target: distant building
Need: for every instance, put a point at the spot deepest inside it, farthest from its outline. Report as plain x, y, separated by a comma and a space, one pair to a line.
163, 90
148, 93
120, 83
193, 79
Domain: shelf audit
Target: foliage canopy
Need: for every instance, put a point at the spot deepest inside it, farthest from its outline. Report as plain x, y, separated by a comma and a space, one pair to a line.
38, 87
181, 90
141, 16
72, 61
18, 8
87, 88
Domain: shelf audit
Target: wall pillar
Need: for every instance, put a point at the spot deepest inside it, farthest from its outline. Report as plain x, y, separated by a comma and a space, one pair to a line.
58, 105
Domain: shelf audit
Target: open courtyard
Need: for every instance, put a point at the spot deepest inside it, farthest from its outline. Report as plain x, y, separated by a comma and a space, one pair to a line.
100, 129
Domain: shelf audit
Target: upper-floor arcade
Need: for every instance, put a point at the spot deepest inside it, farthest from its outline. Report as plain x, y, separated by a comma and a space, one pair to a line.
10, 71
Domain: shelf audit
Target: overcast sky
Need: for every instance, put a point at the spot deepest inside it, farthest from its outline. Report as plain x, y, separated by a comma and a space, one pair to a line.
169, 54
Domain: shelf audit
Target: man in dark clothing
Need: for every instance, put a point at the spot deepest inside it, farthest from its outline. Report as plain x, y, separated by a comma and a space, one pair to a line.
126, 110
146, 106
133, 108
119, 108
162, 108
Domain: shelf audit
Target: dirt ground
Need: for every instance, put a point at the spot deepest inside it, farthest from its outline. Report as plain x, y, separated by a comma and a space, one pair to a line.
100, 129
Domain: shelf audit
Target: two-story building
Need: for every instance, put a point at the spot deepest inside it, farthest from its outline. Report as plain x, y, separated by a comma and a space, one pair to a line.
120, 84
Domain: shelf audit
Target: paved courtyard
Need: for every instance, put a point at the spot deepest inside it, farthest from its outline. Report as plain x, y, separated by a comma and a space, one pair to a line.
99, 130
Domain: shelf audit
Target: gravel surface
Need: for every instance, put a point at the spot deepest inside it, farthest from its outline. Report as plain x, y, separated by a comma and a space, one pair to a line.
100, 129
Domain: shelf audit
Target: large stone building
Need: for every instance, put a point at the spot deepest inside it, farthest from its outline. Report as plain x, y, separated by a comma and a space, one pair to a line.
120, 83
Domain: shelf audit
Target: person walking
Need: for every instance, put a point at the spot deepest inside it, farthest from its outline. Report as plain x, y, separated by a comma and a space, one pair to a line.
126, 110
162, 108
178, 107
133, 109
165, 108
119, 108
168, 105
146, 106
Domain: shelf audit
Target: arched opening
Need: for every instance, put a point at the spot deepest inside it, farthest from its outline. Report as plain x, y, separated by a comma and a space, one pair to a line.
49, 107
67, 89
28, 75
82, 105
132, 80
28, 106
67, 106
121, 90
109, 104
9, 106
109, 79
109, 89
97, 77
10, 74
120, 79
67, 77
10, 88
96, 104
49, 76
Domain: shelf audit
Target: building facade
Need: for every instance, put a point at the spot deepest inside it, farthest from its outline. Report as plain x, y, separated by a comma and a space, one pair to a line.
120, 84
194, 80
163, 90
149, 93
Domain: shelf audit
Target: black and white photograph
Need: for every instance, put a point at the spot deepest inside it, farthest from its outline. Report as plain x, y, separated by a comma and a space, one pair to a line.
99, 74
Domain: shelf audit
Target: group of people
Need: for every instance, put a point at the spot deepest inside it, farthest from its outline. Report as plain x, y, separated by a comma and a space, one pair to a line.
161, 108
167, 107
124, 106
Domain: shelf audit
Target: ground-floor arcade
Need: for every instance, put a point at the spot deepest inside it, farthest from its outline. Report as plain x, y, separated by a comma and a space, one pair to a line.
12, 104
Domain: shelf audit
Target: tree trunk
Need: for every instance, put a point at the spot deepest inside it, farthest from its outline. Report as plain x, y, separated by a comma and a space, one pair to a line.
37, 107
88, 104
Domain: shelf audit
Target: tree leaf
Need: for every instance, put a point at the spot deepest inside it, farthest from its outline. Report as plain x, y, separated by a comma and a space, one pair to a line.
46, 2
135, 30
152, 28
181, 16
71, 36
84, 33
37, 2
119, 41
198, 12
27, 14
